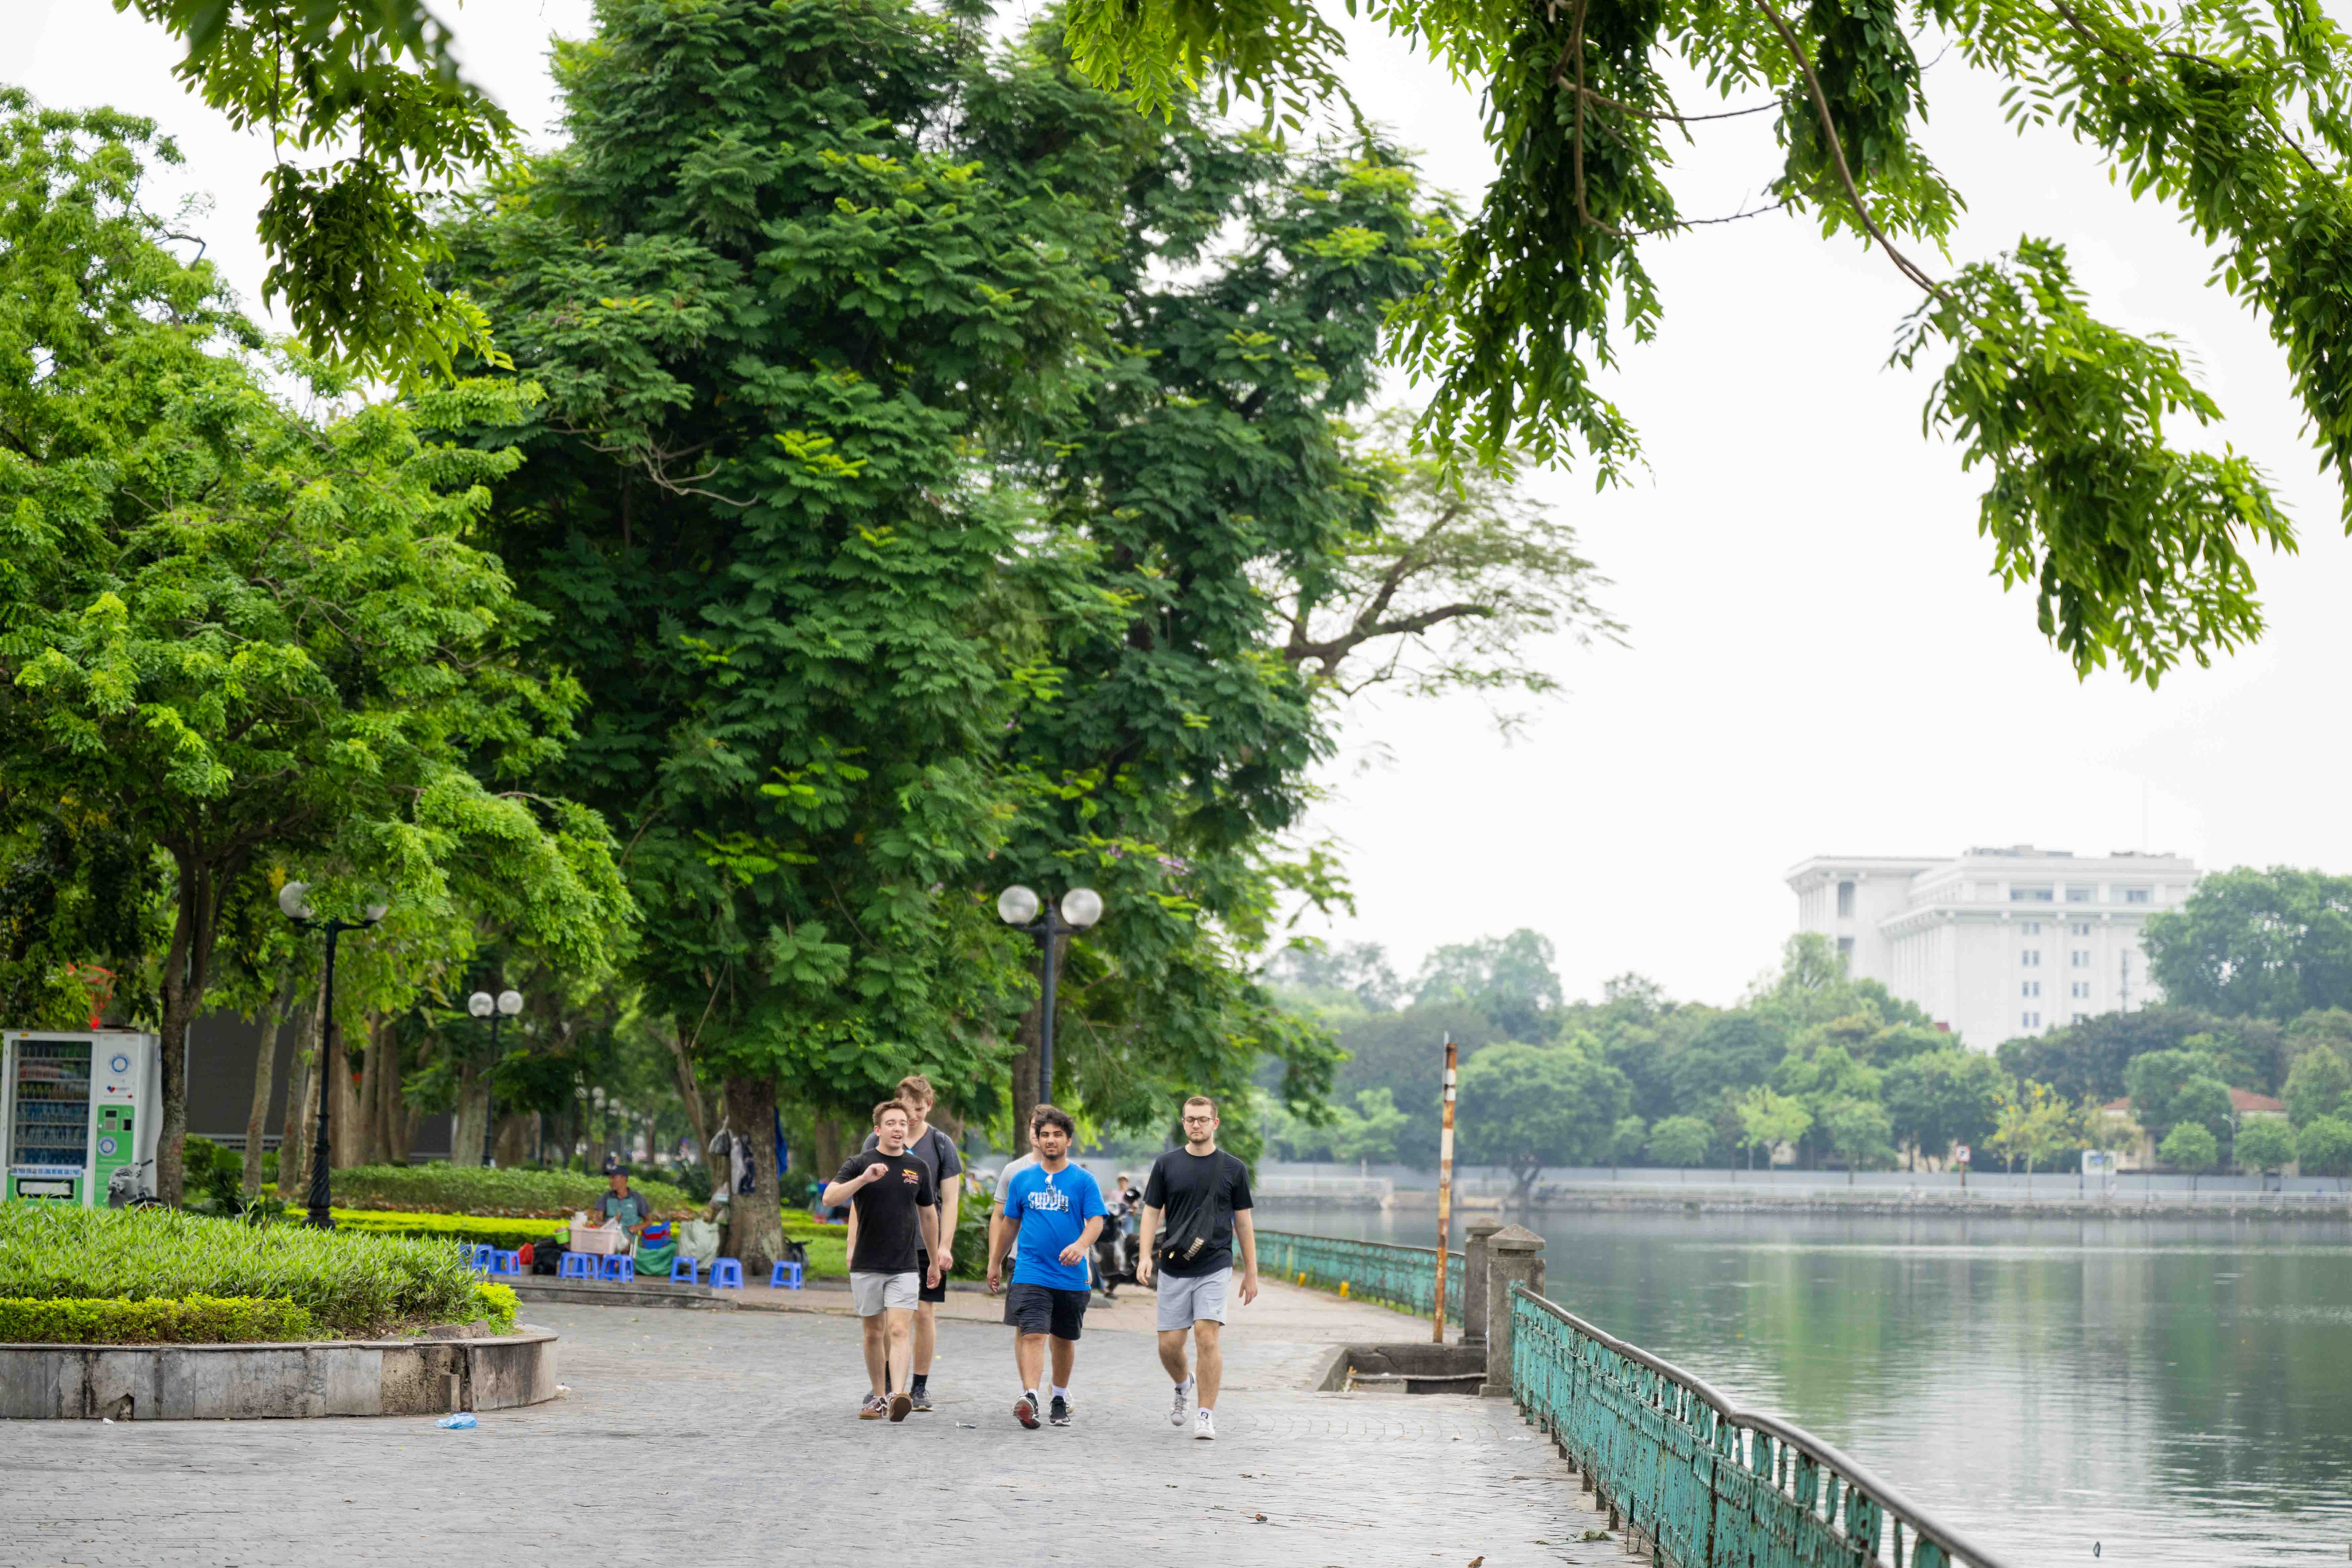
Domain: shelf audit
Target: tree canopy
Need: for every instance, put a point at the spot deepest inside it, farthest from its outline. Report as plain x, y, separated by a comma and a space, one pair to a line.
2262, 944
2135, 547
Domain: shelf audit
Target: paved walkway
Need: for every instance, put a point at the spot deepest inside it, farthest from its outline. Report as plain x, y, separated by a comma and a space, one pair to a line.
729, 1437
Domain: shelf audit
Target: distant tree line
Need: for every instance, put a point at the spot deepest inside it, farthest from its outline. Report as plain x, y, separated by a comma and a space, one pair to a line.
1835, 1072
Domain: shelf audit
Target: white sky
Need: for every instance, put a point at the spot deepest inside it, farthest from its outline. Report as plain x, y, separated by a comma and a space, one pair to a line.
1819, 660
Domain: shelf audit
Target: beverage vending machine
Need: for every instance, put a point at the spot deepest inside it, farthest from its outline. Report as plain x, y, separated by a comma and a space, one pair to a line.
78, 1114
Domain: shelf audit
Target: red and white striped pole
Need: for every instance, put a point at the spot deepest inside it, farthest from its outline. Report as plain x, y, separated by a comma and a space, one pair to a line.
1445, 1192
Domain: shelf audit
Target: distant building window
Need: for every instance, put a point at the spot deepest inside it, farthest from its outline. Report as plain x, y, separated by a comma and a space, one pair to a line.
2079, 895
1845, 900
2031, 1020
2082, 1018
2030, 988
2032, 928
2135, 895
2081, 958
1846, 947
2082, 988
2080, 928
2033, 895
2031, 958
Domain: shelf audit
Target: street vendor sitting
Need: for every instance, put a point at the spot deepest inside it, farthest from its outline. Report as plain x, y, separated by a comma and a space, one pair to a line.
632, 1209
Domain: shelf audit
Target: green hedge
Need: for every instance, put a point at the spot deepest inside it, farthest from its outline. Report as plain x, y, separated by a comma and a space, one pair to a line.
353, 1286
192, 1320
454, 1189
490, 1230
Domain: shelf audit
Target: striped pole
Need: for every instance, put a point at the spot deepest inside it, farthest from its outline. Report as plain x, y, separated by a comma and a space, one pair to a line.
1445, 1192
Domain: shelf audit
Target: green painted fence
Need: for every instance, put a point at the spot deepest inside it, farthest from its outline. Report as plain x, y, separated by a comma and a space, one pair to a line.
1401, 1277
1711, 1485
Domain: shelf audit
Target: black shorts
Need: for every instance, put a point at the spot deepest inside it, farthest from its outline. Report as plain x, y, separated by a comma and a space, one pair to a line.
924, 1290
1042, 1309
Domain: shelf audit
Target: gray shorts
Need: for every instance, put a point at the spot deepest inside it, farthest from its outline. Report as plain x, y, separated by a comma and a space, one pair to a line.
874, 1293
1186, 1299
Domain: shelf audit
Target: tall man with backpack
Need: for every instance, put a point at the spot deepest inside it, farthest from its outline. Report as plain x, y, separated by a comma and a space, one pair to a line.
1196, 1208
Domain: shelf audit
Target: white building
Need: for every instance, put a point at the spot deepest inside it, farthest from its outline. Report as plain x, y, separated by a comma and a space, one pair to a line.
1997, 942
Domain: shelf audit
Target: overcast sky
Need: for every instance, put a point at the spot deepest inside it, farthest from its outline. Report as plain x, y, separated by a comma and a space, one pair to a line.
1819, 660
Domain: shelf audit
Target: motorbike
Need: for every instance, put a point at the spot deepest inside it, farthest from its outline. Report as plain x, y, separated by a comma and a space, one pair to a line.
1114, 1256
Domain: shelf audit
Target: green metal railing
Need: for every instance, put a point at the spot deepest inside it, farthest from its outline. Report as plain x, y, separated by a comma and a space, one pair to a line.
1401, 1277
1710, 1485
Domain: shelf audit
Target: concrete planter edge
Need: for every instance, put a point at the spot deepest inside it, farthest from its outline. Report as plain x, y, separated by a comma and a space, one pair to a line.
276, 1380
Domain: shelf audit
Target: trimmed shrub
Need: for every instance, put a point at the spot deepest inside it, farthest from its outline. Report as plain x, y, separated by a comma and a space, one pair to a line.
500, 1304
487, 1230
190, 1320
354, 1287
455, 1189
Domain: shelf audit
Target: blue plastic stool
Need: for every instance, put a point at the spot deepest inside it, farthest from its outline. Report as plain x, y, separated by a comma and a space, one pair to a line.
577, 1266
504, 1262
477, 1257
785, 1276
618, 1267
726, 1273
686, 1269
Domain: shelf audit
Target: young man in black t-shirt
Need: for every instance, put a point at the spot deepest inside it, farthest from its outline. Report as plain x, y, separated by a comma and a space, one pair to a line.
1196, 1208
895, 1202
937, 1150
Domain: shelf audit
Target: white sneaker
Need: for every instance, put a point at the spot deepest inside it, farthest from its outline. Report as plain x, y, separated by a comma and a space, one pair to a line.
1204, 1427
1176, 1412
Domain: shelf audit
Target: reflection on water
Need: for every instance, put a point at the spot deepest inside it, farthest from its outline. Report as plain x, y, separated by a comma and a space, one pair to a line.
2177, 1392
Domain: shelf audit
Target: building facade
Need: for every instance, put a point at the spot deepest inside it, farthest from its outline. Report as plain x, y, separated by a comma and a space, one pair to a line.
1996, 943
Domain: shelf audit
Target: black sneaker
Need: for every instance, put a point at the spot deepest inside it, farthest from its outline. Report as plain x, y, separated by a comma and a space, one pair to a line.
1060, 1414
1024, 1410
922, 1396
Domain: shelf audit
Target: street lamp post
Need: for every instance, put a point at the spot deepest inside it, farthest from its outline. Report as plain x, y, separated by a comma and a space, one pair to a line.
504, 1005
294, 902
1020, 908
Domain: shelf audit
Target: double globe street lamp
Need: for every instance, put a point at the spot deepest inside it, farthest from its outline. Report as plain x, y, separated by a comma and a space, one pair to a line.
503, 1006
1019, 908
294, 902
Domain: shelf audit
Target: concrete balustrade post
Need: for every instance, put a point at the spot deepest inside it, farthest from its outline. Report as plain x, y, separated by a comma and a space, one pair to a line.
1474, 1281
1514, 1257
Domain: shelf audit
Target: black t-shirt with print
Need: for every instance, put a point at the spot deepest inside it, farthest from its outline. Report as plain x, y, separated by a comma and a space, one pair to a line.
934, 1149
1196, 1194
890, 1221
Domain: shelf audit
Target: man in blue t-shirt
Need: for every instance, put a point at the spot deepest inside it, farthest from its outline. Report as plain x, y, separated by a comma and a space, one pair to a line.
1058, 1210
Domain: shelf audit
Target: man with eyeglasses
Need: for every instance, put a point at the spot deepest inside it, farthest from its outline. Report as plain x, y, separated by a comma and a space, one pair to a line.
1196, 1206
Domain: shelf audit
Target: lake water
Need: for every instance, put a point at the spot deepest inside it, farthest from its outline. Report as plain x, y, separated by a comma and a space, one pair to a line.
2178, 1392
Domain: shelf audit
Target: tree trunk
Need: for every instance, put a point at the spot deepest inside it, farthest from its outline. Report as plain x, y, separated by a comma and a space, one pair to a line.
473, 1108
1024, 1100
756, 1226
392, 1111
342, 1145
825, 1150
514, 1139
265, 1074
301, 1107
690, 1090
187, 970
367, 1130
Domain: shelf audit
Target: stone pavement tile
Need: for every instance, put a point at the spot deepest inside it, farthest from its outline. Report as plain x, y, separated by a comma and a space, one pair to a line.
731, 1437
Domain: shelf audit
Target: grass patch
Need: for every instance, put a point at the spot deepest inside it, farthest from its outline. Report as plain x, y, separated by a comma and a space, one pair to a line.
353, 1286
456, 1189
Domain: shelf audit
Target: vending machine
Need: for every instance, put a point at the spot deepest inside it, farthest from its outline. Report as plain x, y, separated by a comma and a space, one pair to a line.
78, 1114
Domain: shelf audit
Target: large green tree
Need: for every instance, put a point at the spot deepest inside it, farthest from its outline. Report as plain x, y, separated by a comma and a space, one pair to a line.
252, 643
2233, 116
1528, 1107
2265, 944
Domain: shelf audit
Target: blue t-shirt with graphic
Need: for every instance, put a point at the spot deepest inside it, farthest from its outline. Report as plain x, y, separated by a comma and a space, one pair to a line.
1053, 1207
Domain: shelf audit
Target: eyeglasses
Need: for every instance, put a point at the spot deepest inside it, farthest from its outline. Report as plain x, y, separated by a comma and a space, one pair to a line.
1198, 1121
